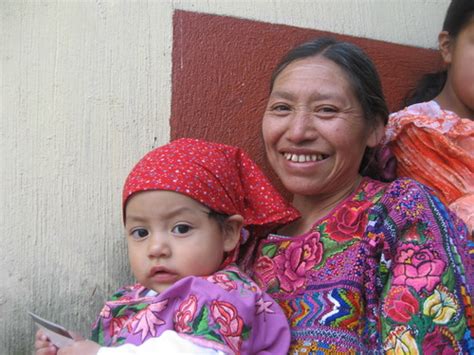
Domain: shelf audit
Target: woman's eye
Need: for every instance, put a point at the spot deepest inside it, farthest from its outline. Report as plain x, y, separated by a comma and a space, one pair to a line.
327, 109
181, 229
280, 108
139, 233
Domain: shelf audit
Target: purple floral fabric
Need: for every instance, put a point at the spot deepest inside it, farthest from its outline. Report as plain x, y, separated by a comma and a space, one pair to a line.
226, 311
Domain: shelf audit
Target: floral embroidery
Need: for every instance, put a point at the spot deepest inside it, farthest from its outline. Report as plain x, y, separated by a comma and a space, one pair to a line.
223, 280
401, 341
441, 305
404, 276
300, 256
146, 321
264, 306
440, 341
418, 266
400, 304
185, 314
230, 324
347, 223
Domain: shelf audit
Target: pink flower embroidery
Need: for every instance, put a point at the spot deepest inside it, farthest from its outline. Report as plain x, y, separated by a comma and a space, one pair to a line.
116, 325
298, 258
185, 315
418, 266
105, 312
264, 306
400, 304
146, 321
230, 324
223, 281
265, 269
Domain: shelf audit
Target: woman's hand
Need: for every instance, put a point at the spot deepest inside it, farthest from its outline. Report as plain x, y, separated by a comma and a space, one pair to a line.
82, 347
43, 345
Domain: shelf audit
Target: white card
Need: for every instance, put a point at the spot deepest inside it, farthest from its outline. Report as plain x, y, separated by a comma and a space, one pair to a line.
58, 335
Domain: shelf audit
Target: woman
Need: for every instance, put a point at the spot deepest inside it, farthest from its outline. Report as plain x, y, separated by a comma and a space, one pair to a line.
433, 140
370, 266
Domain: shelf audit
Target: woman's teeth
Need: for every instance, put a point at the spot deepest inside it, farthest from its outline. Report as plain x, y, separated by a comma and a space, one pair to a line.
302, 158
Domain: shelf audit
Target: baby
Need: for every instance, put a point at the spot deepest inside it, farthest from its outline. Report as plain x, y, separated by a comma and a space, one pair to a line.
184, 207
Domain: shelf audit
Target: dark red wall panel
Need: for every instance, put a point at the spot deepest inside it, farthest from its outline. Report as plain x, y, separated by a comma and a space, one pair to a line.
222, 67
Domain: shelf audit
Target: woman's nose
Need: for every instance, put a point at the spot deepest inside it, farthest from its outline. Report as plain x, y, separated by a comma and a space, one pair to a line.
301, 127
158, 247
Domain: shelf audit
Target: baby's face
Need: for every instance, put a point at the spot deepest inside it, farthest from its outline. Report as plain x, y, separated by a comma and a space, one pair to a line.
170, 236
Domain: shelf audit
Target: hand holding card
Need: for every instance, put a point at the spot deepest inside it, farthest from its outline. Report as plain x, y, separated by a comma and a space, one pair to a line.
58, 335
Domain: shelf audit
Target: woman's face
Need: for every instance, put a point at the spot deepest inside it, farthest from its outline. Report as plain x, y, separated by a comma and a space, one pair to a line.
314, 129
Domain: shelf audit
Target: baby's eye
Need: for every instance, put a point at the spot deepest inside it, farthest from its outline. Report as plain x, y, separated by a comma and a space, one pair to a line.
181, 228
139, 233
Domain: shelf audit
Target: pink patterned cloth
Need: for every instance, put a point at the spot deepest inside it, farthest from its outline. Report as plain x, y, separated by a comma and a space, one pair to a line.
226, 311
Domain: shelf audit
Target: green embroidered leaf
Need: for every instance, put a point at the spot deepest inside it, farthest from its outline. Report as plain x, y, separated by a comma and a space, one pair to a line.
360, 196
139, 307
458, 328
246, 332
273, 286
322, 229
449, 279
212, 335
119, 311
201, 323
331, 248
269, 250
98, 334
121, 341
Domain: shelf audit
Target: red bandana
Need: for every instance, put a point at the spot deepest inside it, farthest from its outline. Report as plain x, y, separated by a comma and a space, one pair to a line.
219, 176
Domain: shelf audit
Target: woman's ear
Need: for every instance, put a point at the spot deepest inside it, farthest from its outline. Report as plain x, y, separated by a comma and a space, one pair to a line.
233, 226
376, 135
445, 44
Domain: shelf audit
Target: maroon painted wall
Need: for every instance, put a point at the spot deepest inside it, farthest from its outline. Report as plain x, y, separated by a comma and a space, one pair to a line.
222, 67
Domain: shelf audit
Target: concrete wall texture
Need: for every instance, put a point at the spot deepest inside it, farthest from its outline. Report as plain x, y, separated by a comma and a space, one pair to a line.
88, 87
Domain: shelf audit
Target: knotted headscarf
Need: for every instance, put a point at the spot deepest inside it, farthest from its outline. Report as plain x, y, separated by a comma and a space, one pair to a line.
219, 176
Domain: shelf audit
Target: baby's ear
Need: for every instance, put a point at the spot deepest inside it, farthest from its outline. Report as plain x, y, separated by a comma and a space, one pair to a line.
231, 230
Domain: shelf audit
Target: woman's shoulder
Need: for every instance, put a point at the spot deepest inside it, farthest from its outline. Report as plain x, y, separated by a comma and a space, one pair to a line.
428, 109
427, 116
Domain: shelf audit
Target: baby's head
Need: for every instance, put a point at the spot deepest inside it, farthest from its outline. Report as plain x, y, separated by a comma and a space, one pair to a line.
184, 206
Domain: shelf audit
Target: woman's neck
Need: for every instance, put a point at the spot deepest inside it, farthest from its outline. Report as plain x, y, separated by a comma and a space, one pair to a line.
313, 208
448, 100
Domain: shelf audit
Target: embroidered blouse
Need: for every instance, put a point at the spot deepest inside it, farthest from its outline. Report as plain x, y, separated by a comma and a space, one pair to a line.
226, 311
388, 270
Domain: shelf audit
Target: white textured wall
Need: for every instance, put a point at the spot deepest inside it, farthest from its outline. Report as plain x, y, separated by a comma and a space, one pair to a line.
85, 92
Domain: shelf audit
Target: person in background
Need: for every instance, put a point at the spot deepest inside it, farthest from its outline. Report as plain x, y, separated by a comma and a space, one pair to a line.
433, 138
371, 266
184, 205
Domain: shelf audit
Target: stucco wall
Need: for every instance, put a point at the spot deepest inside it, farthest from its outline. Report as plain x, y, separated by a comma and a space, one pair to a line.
85, 91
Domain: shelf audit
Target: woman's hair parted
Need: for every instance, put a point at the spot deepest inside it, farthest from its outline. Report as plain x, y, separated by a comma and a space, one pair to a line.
362, 76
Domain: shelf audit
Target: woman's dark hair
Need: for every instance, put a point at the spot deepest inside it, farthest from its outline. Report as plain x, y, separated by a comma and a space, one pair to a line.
459, 14
362, 76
